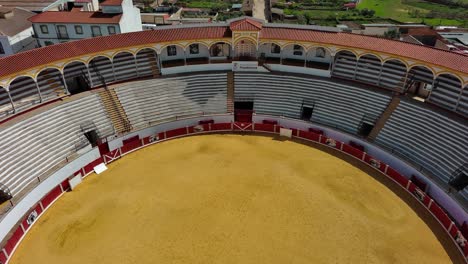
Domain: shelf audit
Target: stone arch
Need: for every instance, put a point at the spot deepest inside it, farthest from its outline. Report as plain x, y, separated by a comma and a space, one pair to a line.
220, 49
294, 54
345, 64
393, 74
318, 57
101, 70
47, 67
76, 76
6, 107
245, 49
99, 55
172, 55
396, 59
51, 85
124, 66
122, 51
145, 48
421, 73
24, 92
197, 53
446, 91
269, 52
368, 68
147, 62
370, 54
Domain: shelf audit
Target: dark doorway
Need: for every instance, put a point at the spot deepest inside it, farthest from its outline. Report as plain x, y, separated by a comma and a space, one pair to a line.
365, 129
307, 113
92, 137
243, 111
77, 84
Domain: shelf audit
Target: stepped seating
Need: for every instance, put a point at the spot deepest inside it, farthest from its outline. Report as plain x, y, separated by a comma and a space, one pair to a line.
446, 91
426, 138
337, 105
153, 101
463, 104
230, 92
33, 146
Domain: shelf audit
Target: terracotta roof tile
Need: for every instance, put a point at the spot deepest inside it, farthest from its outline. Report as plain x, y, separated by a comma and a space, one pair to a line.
49, 54
33, 58
246, 24
435, 56
111, 3
81, 17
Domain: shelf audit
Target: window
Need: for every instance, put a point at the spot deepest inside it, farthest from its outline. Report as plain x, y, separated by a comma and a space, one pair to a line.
320, 53
44, 29
275, 49
194, 49
298, 50
111, 30
171, 50
2, 50
96, 31
62, 32
79, 30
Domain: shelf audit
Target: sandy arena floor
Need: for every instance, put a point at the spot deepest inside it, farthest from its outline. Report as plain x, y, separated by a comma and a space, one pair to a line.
230, 199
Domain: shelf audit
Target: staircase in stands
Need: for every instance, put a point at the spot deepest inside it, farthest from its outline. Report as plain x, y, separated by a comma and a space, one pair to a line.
115, 111
384, 117
154, 65
230, 92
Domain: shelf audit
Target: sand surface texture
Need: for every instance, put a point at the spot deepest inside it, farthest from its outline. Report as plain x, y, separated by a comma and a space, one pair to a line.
230, 199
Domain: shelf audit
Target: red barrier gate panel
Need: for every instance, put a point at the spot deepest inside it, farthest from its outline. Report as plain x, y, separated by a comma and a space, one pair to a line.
176, 132
309, 135
14, 239
397, 177
220, 126
90, 167
51, 196
264, 127
353, 151
130, 146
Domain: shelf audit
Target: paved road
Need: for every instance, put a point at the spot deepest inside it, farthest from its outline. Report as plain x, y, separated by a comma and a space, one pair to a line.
259, 9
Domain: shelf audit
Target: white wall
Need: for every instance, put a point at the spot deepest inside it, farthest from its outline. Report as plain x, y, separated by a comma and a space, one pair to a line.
203, 52
266, 48
20, 42
87, 32
302, 70
131, 19
195, 68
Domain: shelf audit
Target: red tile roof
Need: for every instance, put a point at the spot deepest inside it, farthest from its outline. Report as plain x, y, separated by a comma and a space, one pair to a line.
46, 55
111, 3
36, 57
81, 17
435, 56
246, 24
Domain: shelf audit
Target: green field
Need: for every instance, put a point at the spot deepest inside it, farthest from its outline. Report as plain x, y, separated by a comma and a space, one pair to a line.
417, 11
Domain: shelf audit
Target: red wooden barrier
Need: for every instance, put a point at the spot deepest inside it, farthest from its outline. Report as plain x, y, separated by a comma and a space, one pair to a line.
65, 185
129, 140
3, 258
309, 135
221, 126
10, 245
397, 177
265, 127
176, 132
90, 167
130, 146
161, 136
51, 196
441, 215
353, 151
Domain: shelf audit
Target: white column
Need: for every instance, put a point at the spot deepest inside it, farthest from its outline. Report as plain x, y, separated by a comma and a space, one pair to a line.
89, 76
459, 97
136, 65
11, 100
64, 83
38, 90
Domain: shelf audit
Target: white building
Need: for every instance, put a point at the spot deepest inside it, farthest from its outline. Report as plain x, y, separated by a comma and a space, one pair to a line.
16, 33
85, 20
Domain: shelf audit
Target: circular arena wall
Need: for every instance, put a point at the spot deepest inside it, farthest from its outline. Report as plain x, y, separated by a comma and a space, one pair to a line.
43, 196
360, 76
